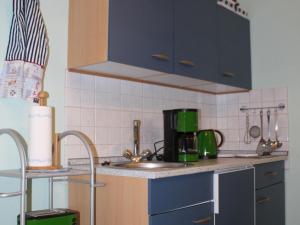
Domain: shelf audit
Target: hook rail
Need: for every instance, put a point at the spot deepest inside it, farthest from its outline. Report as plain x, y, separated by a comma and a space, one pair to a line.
281, 106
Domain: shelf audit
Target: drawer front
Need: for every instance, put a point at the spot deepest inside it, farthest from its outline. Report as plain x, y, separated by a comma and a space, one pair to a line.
200, 214
171, 193
269, 174
270, 205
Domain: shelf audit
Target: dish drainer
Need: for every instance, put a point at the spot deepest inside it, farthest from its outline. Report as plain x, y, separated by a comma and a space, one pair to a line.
26, 176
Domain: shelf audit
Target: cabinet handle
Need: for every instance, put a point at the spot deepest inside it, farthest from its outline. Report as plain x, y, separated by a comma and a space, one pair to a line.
187, 63
202, 221
263, 200
162, 57
271, 174
228, 74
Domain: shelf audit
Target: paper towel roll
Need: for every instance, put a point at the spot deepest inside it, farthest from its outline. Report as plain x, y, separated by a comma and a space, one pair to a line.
40, 137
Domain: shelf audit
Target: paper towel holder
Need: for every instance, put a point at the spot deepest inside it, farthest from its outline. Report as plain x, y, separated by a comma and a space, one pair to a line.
56, 159
56, 150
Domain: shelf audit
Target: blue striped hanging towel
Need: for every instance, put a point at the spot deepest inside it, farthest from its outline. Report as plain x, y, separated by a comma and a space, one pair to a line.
27, 53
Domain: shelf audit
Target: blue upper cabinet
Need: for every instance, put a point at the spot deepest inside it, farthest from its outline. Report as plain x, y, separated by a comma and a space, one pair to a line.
177, 43
195, 39
141, 33
234, 49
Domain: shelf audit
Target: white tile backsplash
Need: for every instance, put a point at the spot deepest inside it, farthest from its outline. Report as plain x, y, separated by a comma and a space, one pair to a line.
101, 134
87, 83
268, 95
73, 97
131, 103
131, 88
104, 109
87, 99
73, 80
87, 117
72, 116
90, 132
255, 96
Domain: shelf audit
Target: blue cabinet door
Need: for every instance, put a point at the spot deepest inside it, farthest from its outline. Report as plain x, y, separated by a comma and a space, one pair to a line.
199, 214
234, 49
236, 198
270, 205
268, 174
171, 193
195, 39
141, 33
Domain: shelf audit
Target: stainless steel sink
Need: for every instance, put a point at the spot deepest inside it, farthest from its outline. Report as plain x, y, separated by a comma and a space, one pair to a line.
150, 165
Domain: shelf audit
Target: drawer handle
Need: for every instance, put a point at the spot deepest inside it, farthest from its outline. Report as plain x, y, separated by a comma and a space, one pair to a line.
202, 221
271, 174
228, 74
187, 63
263, 200
162, 57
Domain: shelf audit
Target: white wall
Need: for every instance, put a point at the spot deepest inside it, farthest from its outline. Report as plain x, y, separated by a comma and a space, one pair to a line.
275, 36
14, 113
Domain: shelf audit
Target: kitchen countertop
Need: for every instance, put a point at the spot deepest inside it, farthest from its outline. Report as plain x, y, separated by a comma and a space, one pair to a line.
218, 165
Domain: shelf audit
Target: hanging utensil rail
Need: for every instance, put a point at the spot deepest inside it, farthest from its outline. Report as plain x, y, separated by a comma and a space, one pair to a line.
281, 106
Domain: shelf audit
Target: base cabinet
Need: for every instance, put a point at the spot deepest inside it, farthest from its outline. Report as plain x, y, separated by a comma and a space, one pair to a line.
182, 200
187, 199
236, 198
270, 194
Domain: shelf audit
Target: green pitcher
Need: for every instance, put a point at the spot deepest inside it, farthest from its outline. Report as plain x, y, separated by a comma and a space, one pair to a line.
208, 144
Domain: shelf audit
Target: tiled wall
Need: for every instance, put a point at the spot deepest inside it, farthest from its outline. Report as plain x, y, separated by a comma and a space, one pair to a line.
232, 122
104, 109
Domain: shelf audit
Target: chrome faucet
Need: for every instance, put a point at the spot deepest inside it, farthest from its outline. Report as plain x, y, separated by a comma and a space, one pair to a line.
136, 156
136, 137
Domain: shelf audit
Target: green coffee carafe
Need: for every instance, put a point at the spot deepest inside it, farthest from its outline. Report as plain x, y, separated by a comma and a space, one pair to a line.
208, 144
187, 126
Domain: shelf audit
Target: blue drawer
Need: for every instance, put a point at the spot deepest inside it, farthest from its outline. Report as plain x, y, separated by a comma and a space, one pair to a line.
270, 205
171, 193
268, 174
200, 214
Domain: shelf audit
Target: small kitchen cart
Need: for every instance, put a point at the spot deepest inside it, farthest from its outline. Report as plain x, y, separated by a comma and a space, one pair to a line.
26, 176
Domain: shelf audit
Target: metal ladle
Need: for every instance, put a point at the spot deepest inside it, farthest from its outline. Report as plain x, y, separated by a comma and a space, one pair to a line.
271, 145
261, 147
277, 143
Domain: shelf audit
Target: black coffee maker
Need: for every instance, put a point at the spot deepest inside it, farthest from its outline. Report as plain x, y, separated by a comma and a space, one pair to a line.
180, 135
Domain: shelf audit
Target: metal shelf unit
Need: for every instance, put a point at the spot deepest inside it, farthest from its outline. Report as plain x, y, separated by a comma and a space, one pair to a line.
27, 175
